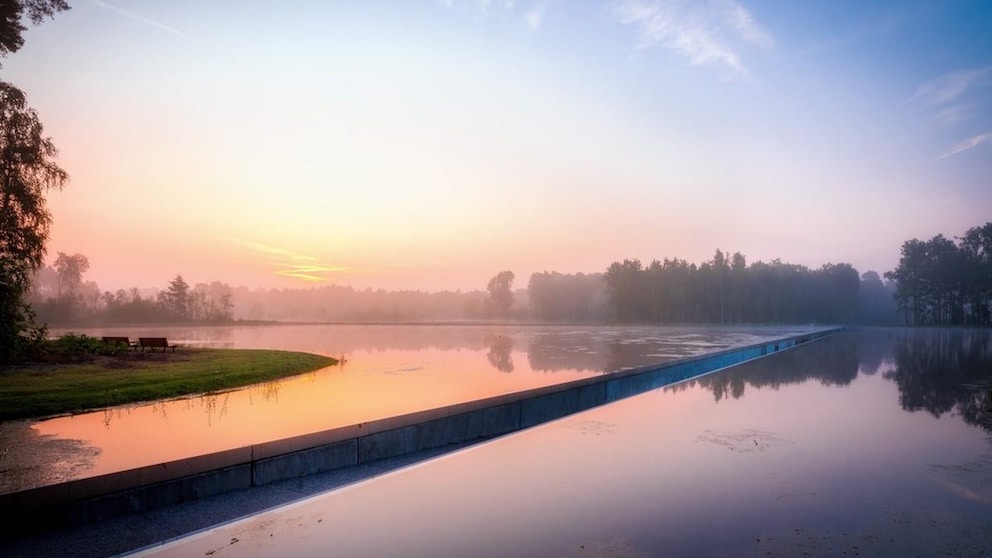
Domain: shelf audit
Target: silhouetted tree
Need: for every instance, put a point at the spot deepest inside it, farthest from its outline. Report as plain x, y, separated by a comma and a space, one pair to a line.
176, 300
726, 290
501, 293
212, 303
70, 270
976, 250
739, 285
836, 291
626, 285
27, 170
13, 12
70, 300
939, 282
128, 306
721, 276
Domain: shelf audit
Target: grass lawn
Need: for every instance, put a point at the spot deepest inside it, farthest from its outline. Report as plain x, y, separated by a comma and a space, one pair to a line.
37, 390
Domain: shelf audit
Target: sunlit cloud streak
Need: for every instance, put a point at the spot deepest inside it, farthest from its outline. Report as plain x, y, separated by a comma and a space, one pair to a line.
137, 17
272, 250
967, 144
702, 32
310, 273
298, 266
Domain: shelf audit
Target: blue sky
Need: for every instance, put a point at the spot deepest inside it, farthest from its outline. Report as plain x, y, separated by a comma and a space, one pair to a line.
431, 144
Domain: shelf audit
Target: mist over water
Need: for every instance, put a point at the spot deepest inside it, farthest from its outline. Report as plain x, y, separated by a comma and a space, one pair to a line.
387, 370
865, 443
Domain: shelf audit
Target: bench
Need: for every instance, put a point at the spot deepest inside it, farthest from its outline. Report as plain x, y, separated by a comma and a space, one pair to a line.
155, 343
109, 340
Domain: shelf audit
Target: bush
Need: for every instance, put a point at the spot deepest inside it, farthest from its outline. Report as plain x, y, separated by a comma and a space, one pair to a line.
73, 347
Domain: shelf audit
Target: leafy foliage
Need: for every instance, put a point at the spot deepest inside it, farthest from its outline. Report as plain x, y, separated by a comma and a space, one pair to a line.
501, 293
13, 13
943, 283
727, 290
27, 170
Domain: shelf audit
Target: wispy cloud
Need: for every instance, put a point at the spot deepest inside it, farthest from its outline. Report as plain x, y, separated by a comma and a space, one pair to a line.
950, 86
535, 15
956, 100
293, 264
954, 114
705, 32
533, 12
881, 27
967, 144
137, 17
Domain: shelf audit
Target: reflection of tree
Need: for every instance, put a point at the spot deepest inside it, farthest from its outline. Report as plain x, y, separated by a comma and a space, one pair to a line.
215, 405
832, 360
499, 353
940, 369
936, 370
873, 349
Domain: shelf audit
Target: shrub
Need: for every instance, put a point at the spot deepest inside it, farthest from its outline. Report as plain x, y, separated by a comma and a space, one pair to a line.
75, 347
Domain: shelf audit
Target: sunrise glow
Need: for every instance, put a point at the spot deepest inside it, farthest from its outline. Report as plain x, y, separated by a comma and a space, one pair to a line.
429, 144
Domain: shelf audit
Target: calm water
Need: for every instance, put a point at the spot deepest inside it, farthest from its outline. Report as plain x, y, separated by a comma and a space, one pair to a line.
870, 443
388, 370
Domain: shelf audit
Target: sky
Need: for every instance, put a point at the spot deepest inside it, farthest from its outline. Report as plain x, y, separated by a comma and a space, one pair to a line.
430, 144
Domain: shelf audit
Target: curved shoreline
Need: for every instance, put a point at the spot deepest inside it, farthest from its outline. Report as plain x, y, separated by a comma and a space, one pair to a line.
36, 391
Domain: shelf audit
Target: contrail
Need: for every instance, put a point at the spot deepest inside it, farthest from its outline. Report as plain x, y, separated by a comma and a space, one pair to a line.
137, 17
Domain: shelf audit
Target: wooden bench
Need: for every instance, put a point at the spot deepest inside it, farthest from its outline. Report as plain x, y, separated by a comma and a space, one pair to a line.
155, 343
109, 340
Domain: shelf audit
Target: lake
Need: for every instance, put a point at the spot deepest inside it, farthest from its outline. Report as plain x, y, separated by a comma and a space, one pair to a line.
864, 443
387, 370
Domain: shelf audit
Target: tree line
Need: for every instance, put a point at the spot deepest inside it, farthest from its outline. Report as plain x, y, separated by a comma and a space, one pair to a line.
938, 282
60, 296
924, 289
942, 282
723, 290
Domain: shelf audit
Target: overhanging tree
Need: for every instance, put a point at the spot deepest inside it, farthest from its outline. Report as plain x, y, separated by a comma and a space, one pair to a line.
28, 169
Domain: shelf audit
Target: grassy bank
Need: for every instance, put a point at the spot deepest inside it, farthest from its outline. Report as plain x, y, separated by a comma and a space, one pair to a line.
36, 390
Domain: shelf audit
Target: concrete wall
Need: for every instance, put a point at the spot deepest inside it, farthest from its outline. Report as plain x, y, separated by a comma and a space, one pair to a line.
95, 498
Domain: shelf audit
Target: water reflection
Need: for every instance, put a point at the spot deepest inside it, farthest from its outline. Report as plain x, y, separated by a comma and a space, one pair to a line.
830, 449
500, 353
938, 371
389, 370
832, 361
